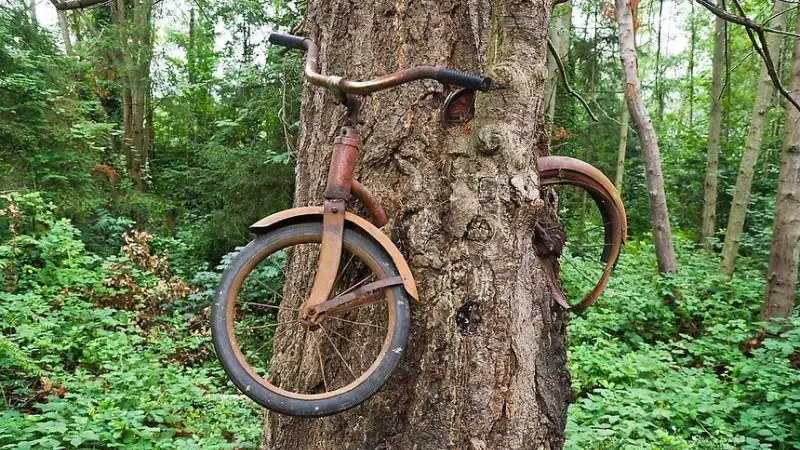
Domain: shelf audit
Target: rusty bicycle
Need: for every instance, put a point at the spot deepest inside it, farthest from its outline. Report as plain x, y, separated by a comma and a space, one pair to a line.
346, 319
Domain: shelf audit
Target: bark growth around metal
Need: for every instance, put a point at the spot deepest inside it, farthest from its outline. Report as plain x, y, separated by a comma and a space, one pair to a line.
463, 204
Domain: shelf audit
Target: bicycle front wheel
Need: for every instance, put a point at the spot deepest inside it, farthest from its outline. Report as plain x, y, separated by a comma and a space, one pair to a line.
286, 365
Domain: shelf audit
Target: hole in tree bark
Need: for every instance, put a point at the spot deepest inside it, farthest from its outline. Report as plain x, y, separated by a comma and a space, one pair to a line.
468, 317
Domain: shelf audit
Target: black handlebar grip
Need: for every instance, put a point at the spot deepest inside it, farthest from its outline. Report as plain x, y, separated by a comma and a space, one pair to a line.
288, 41
467, 80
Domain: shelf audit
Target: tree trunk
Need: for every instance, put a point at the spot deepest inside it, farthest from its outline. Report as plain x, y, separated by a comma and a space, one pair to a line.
709, 226
651, 157
247, 49
558, 33
32, 12
132, 66
690, 69
191, 57
623, 141
783, 256
464, 207
744, 180
659, 87
64, 27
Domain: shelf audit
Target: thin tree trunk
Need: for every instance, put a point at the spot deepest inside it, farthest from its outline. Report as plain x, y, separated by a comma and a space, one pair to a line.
64, 27
191, 69
559, 35
132, 66
247, 49
744, 180
623, 141
692, 38
659, 88
651, 157
709, 226
191, 55
32, 12
783, 255
464, 208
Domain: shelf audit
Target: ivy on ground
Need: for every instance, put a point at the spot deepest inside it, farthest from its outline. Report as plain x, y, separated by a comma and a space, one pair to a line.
94, 355
700, 374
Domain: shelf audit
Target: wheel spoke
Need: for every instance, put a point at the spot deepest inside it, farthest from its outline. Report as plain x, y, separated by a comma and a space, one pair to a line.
340, 335
269, 288
270, 325
344, 269
322, 367
291, 325
357, 323
336, 349
270, 306
581, 272
356, 285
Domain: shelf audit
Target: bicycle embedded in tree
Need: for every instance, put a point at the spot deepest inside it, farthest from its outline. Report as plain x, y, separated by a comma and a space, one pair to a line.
362, 286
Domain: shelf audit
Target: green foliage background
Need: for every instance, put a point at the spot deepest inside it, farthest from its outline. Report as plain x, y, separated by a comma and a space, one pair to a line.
87, 361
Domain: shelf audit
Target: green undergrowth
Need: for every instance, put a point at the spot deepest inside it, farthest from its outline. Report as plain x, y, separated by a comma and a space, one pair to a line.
701, 373
103, 345
105, 351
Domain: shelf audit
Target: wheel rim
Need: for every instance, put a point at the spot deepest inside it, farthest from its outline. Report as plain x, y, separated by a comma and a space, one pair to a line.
327, 335
580, 219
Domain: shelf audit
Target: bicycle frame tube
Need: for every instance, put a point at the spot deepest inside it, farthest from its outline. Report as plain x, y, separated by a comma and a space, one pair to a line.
343, 164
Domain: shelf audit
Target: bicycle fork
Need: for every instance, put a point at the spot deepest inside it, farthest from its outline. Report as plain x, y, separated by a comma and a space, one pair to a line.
340, 186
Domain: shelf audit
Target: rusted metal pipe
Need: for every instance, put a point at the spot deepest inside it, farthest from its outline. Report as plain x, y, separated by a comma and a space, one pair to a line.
375, 210
343, 164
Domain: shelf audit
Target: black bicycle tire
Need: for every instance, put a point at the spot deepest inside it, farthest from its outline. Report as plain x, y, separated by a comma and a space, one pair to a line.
277, 402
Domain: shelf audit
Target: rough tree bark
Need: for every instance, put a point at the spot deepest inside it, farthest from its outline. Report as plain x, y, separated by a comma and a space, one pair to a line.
623, 140
464, 204
651, 156
558, 34
752, 147
783, 256
709, 226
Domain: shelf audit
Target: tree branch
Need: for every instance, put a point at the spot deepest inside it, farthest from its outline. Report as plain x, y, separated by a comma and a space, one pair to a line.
754, 29
75, 4
89, 24
567, 86
742, 19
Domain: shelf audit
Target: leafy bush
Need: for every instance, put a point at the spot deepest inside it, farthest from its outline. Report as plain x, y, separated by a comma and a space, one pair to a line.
90, 354
703, 374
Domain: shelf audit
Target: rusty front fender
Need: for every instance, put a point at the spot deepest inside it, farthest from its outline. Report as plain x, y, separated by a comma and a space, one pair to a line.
314, 214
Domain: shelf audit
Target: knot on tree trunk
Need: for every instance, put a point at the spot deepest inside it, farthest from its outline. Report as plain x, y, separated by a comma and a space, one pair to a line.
525, 79
506, 140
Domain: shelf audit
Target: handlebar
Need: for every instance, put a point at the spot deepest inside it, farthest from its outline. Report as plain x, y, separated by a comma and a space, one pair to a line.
341, 87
